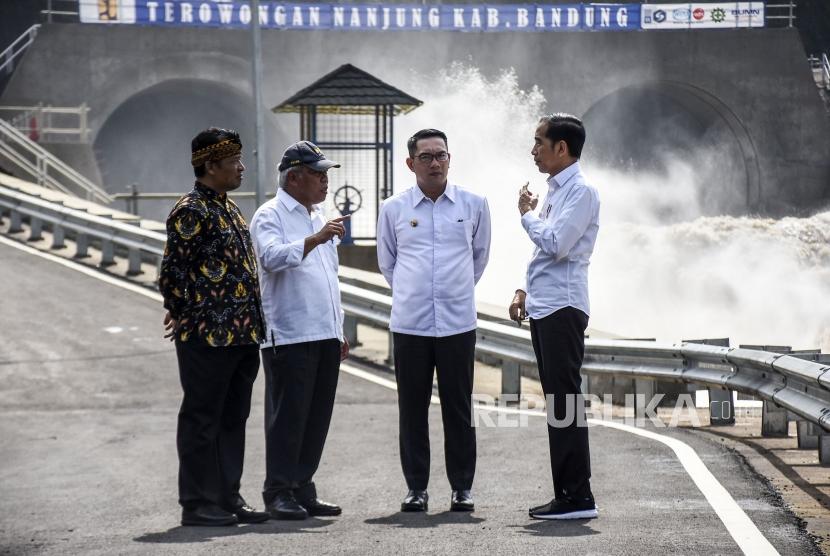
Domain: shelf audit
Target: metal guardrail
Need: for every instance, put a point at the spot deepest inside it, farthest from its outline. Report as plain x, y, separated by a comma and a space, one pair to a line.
45, 167
785, 383
16, 48
780, 12
50, 123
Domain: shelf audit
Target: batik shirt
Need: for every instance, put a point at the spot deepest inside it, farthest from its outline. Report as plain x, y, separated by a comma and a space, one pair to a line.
208, 275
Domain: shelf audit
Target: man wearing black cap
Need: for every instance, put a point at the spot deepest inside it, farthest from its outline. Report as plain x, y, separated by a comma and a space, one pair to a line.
208, 279
297, 253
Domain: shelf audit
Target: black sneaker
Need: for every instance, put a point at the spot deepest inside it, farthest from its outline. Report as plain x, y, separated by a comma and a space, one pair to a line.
565, 508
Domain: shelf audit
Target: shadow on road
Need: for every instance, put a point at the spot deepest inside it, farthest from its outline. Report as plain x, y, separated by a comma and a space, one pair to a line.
422, 520
206, 534
562, 528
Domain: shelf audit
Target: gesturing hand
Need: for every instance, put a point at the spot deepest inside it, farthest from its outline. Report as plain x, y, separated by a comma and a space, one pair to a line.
332, 228
527, 200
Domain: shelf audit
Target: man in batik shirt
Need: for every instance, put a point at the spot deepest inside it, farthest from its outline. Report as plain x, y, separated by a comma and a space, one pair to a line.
209, 282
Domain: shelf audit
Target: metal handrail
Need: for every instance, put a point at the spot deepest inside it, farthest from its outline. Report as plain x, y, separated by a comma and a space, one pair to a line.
825, 70
45, 122
789, 16
45, 167
800, 386
17, 47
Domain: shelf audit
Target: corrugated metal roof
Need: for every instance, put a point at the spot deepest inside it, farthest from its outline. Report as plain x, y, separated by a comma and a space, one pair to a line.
349, 86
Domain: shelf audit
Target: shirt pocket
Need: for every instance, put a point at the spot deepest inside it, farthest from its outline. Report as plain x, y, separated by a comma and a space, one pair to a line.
460, 229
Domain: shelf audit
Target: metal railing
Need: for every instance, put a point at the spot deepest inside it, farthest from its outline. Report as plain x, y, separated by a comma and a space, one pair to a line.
788, 385
45, 167
50, 124
784, 12
16, 48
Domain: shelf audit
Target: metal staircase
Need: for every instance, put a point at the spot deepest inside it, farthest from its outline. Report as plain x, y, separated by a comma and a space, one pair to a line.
47, 169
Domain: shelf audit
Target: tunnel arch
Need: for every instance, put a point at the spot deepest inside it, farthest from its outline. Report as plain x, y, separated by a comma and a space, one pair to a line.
646, 126
146, 139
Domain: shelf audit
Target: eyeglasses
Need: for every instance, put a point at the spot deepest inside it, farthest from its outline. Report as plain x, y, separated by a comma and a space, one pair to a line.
427, 158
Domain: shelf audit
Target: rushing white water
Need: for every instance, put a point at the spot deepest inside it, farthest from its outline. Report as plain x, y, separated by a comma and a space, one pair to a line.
659, 269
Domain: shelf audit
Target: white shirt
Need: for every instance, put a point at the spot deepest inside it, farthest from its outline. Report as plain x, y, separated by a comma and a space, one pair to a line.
300, 297
433, 254
564, 231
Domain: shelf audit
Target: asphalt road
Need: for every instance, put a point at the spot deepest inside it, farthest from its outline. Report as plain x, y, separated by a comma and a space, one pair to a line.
89, 394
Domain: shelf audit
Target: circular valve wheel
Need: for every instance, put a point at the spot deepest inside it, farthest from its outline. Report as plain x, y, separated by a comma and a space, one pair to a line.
348, 198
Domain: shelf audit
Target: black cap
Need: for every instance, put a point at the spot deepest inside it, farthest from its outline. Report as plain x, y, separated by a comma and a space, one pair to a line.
307, 154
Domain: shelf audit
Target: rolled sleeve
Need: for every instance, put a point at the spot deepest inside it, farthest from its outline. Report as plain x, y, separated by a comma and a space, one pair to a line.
273, 251
557, 237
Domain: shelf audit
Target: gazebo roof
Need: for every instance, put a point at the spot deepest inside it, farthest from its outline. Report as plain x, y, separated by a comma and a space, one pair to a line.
349, 90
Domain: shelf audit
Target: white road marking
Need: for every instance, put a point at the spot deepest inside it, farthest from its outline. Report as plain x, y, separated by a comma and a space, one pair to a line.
745, 533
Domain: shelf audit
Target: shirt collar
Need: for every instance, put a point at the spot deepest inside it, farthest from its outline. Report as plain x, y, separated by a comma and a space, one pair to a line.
291, 204
418, 195
562, 177
209, 193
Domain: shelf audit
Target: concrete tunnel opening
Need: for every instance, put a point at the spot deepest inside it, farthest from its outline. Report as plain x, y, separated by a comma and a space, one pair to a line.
682, 137
146, 140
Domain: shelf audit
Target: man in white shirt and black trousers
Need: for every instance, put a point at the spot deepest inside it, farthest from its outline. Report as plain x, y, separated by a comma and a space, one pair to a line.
555, 299
433, 242
297, 253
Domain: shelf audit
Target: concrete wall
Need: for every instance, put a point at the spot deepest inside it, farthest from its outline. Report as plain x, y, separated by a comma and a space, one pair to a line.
755, 83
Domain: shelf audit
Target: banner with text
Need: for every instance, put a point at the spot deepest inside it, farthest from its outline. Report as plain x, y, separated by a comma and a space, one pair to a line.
366, 17
703, 16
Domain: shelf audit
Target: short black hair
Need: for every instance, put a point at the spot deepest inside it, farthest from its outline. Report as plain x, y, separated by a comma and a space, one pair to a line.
412, 143
567, 128
208, 137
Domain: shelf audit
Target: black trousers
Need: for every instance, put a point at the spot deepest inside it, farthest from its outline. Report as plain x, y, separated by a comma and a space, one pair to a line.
416, 359
300, 384
559, 343
217, 384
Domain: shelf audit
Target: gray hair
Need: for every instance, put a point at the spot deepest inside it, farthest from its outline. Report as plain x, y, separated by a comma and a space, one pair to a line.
283, 177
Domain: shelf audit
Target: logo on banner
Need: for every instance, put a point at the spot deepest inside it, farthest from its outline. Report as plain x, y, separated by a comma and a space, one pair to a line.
681, 14
107, 10
659, 16
698, 13
718, 15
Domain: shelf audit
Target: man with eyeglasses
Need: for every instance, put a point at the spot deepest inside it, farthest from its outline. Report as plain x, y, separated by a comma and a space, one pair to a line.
433, 243
297, 253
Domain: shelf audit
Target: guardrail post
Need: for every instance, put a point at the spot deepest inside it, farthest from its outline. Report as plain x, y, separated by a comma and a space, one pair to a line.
390, 359
643, 393
133, 262
107, 253
58, 237
721, 407
511, 378
35, 229
82, 246
824, 447
807, 435
774, 420
350, 330
15, 222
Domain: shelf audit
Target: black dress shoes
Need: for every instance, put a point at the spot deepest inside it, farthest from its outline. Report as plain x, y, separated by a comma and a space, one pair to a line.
462, 501
246, 514
317, 507
209, 515
285, 506
415, 501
